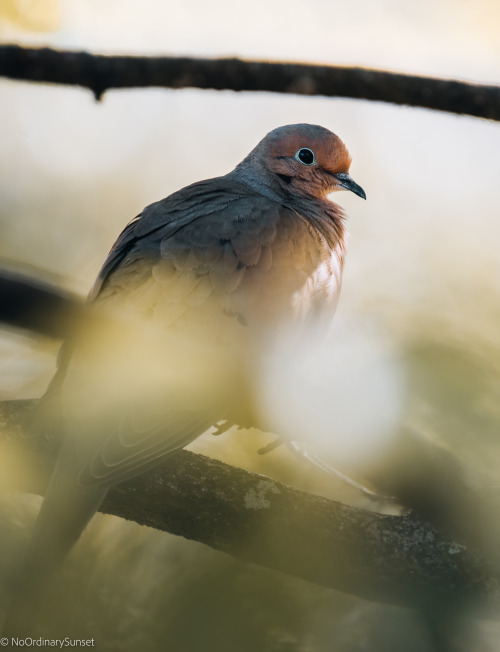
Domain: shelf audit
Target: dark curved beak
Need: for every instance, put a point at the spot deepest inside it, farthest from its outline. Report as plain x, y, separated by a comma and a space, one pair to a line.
345, 181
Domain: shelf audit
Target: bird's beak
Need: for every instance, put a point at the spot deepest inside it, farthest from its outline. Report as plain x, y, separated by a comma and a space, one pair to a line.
345, 181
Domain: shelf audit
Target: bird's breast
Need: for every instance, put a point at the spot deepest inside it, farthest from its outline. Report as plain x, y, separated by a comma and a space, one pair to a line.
295, 286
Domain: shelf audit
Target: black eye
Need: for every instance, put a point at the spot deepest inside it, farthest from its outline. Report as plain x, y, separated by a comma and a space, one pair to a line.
305, 156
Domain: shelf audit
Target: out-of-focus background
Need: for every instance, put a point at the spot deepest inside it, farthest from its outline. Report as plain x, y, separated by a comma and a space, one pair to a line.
416, 336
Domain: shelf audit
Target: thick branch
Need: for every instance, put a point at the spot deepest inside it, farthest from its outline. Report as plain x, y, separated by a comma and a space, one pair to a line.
386, 558
100, 73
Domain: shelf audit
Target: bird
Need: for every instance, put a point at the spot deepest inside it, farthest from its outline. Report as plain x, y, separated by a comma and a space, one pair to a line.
198, 289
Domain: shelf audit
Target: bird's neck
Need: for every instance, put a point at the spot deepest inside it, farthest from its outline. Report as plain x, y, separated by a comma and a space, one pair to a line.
259, 179
326, 216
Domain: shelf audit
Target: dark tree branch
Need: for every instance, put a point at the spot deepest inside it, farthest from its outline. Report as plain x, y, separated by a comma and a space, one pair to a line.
395, 559
100, 73
30, 304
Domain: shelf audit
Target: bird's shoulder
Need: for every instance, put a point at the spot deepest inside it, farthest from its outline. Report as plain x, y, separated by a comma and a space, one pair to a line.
200, 218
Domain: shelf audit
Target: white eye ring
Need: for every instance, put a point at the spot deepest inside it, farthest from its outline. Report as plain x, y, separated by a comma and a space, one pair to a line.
306, 156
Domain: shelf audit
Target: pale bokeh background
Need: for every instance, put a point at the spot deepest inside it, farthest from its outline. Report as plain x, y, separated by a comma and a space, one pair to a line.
416, 334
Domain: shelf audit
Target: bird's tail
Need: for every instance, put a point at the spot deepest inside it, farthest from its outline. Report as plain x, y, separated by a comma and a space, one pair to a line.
65, 511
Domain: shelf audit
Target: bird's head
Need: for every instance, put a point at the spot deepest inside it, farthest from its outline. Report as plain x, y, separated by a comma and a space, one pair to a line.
306, 159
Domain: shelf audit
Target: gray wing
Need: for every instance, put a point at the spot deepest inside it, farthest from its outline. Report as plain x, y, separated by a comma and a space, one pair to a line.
198, 217
181, 263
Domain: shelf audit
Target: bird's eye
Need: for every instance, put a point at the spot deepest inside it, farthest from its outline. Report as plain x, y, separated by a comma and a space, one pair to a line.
305, 156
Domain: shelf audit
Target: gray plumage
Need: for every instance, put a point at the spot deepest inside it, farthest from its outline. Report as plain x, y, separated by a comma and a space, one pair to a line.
223, 270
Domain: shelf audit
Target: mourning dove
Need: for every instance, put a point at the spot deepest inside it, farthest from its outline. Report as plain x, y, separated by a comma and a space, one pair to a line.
201, 284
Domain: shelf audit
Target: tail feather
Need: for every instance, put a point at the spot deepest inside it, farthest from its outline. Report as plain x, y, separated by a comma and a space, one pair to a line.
65, 511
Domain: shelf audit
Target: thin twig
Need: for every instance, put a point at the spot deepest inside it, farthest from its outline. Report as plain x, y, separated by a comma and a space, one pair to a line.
100, 73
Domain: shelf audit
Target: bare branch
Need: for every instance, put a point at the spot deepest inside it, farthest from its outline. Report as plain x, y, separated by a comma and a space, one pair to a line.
100, 73
392, 559
37, 306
